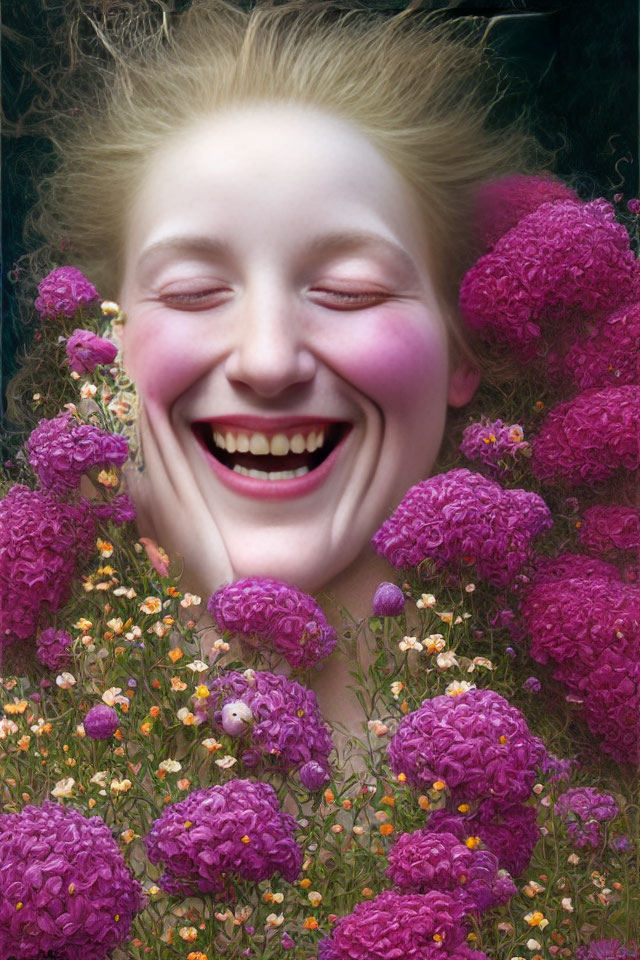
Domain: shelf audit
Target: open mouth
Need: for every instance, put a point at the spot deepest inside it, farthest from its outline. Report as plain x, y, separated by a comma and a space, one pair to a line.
272, 455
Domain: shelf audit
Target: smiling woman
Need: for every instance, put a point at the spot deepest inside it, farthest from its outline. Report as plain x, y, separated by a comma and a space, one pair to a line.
290, 192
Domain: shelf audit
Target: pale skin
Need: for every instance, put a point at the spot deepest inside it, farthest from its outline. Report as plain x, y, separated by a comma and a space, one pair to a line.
276, 282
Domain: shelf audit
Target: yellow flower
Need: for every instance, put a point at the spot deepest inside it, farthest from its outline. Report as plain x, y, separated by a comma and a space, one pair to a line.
434, 643
457, 687
23, 742
305, 883
108, 478
128, 835
105, 548
18, 706
83, 624
315, 898
274, 920
120, 786
202, 691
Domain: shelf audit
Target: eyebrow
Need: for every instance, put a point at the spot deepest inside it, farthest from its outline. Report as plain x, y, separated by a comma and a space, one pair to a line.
334, 242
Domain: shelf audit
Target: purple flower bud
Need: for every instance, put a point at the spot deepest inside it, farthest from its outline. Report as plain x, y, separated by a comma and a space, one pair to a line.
86, 351
633, 206
132, 682
287, 942
101, 722
236, 717
511, 652
388, 600
313, 775
532, 684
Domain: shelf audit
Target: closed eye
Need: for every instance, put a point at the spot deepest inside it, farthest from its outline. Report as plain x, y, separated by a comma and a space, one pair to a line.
348, 299
196, 300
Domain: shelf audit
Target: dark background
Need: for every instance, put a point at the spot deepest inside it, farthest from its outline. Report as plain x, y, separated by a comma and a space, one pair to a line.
573, 65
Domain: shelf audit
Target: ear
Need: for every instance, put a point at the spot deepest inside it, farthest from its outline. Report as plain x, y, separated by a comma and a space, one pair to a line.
463, 383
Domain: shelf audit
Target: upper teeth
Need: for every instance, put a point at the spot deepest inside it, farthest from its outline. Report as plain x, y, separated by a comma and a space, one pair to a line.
259, 444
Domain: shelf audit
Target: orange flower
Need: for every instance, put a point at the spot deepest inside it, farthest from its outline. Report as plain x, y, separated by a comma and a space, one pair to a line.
154, 712
310, 923
18, 706
175, 654
386, 829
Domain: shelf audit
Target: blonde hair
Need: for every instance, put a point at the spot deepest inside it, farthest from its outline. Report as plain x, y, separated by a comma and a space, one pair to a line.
420, 90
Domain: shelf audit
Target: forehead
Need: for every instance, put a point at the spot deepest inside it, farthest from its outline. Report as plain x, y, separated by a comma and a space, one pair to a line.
291, 167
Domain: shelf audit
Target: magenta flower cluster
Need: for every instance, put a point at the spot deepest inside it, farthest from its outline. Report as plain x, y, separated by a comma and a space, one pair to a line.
61, 450
277, 615
86, 351
606, 357
428, 860
588, 627
501, 204
590, 438
461, 519
476, 742
584, 810
566, 259
65, 890
53, 648
63, 292
606, 529
510, 831
419, 926
42, 543
223, 833
494, 444
286, 731
608, 950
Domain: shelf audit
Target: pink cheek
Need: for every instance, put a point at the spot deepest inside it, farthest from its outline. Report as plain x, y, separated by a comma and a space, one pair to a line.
396, 358
162, 361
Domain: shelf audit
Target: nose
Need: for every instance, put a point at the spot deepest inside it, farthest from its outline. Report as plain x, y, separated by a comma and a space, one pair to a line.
269, 353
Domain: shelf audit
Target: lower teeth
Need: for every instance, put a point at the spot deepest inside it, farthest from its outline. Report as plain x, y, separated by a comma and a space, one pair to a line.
276, 475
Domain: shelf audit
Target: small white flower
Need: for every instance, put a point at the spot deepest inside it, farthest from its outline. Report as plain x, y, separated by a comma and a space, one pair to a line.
426, 601
573, 859
378, 727
198, 666
457, 687
566, 904
250, 677
447, 659
434, 643
483, 662
100, 778
170, 766
396, 688
120, 786
314, 897
533, 945
275, 920
88, 390
226, 762
220, 646
151, 605
65, 680
7, 727
64, 788
410, 643
190, 600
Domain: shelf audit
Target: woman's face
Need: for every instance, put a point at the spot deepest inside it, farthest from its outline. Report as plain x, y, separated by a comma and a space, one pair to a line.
286, 342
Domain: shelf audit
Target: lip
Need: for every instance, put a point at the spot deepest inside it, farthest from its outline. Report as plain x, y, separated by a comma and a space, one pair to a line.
273, 489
